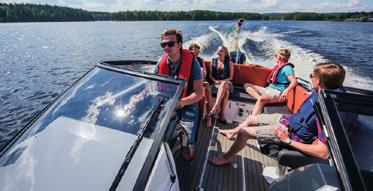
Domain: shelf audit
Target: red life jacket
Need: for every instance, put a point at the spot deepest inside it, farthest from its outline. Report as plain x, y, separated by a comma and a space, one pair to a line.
273, 75
184, 70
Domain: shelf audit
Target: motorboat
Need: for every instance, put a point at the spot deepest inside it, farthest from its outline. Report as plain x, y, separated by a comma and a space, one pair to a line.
113, 129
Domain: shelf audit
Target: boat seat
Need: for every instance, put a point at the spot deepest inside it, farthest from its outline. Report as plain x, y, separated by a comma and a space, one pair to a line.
288, 157
277, 108
239, 94
295, 159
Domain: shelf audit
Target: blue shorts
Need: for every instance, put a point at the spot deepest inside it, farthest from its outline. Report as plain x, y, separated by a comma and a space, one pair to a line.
189, 120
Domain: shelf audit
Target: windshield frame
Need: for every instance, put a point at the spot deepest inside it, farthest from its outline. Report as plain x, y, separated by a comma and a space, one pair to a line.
159, 135
341, 152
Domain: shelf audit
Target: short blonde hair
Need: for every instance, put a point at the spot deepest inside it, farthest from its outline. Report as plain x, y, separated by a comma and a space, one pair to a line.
284, 52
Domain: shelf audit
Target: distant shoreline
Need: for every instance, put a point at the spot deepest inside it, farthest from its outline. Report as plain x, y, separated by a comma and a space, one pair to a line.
12, 13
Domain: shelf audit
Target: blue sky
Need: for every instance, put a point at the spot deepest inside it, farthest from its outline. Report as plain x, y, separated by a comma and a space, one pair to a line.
260, 6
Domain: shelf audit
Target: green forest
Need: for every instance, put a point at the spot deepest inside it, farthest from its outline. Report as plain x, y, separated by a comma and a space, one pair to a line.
215, 15
43, 13
46, 13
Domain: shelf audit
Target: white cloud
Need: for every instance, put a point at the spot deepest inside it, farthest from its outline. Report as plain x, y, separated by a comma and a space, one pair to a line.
351, 5
268, 3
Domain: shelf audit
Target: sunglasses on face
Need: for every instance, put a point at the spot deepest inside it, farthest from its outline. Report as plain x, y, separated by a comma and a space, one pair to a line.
169, 44
312, 76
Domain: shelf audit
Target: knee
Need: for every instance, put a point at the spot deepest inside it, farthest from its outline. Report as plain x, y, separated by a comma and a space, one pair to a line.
206, 84
246, 85
207, 87
224, 83
250, 119
263, 99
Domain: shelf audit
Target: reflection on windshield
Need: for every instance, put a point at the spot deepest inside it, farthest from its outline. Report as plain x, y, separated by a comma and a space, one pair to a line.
359, 130
122, 104
95, 122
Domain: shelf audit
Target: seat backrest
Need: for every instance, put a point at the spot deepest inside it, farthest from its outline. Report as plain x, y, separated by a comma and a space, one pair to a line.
252, 73
296, 97
257, 75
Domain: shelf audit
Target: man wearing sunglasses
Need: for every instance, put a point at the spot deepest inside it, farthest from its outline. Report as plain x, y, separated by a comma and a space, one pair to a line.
179, 62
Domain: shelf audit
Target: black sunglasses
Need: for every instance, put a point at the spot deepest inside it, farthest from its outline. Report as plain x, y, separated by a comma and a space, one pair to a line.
169, 44
312, 76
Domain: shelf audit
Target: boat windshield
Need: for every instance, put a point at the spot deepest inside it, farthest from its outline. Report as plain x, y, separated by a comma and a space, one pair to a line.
86, 134
358, 126
349, 123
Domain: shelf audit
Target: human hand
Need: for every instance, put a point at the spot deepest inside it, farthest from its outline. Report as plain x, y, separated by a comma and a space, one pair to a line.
180, 104
280, 133
283, 96
218, 81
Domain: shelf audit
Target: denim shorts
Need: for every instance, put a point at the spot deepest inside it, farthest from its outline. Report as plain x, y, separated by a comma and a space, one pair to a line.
189, 120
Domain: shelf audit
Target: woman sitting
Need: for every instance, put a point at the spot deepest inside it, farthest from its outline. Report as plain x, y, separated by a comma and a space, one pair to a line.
221, 74
281, 81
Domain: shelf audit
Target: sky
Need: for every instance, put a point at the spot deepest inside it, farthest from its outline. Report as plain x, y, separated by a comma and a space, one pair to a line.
258, 6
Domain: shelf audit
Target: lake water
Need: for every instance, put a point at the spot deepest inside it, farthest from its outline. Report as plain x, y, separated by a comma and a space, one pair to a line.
39, 60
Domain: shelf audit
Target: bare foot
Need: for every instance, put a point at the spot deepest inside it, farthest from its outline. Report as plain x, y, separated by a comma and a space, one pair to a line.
230, 134
218, 161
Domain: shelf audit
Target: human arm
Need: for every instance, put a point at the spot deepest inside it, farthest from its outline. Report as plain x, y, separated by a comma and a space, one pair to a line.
293, 83
197, 94
193, 97
316, 149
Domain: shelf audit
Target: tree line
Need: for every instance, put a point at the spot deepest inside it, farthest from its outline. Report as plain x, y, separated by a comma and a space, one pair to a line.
42, 13
216, 15
183, 15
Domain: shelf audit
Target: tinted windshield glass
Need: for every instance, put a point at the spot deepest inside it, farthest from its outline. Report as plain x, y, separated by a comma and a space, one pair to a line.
359, 131
80, 142
111, 100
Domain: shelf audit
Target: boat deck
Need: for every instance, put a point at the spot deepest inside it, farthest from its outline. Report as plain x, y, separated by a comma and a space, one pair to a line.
243, 173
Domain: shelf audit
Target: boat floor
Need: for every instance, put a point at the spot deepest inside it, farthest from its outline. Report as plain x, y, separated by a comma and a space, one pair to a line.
243, 173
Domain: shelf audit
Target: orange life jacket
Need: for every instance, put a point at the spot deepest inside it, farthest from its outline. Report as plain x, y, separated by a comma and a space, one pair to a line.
184, 71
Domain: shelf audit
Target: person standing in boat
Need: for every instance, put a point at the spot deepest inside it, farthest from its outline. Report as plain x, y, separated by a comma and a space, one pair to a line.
179, 62
300, 131
280, 81
221, 74
195, 49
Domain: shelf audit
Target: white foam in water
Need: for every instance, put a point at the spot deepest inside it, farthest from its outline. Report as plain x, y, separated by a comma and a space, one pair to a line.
303, 59
202, 41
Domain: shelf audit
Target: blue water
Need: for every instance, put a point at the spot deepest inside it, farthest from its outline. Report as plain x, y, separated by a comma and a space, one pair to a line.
39, 60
